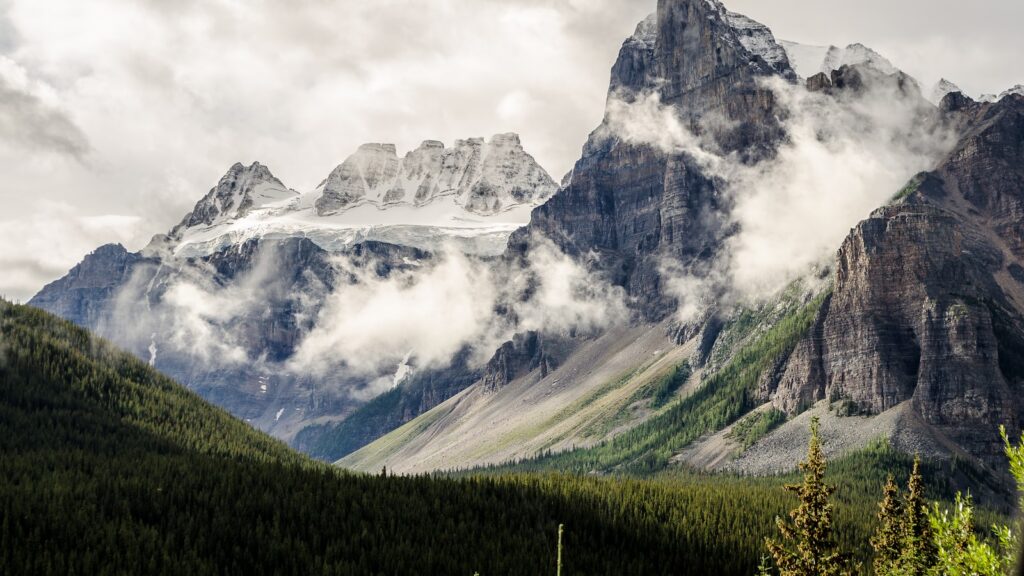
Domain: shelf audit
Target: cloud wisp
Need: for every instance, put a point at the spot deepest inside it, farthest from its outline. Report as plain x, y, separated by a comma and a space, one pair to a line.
846, 154
360, 332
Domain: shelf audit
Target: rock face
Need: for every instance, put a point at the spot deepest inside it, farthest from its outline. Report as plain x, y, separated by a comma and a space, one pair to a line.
226, 324
83, 295
928, 295
524, 353
483, 177
628, 205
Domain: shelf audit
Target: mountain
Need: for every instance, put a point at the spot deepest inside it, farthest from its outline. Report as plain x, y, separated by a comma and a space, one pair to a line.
941, 88
908, 333
225, 300
110, 467
473, 194
1018, 89
741, 246
808, 60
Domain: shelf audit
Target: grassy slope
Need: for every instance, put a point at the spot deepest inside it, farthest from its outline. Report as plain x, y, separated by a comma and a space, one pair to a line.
722, 399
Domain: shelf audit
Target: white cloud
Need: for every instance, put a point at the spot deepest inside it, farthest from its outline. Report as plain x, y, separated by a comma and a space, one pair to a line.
564, 296
844, 157
374, 323
382, 328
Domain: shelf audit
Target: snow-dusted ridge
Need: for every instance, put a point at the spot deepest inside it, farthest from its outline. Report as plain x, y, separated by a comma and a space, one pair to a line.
473, 196
757, 39
941, 88
1018, 90
808, 60
484, 178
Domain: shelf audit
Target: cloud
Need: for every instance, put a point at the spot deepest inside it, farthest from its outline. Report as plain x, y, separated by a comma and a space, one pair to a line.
643, 119
563, 296
43, 244
845, 156
381, 329
375, 323
30, 119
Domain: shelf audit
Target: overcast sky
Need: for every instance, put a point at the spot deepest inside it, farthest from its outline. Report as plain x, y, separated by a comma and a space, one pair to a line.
117, 115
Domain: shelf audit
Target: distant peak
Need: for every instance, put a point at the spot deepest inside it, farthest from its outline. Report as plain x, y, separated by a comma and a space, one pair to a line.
484, 177
941, 89
856, 54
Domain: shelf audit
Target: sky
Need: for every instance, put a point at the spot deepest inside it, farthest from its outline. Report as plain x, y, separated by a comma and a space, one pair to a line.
116, 116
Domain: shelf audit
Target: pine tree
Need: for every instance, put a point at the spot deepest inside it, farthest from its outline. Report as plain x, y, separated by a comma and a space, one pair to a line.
919, 553
888, 539
814, 551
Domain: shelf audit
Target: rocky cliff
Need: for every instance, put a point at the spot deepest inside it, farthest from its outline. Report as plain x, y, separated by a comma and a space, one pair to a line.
482, 177
630, 205
928, 294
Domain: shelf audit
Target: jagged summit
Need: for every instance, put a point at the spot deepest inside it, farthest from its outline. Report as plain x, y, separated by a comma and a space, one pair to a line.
646, 32
240, 190
856, 54
483, 177
809, 60
941, 88
473, 194
1018, 89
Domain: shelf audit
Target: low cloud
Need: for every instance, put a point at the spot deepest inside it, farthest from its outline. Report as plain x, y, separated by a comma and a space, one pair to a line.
645, 120
382, 329
563, 295
367, 333
846, 155
375, 323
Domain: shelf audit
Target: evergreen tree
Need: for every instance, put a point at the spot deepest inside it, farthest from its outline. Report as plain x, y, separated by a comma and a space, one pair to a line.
919, 553
888, 539
812, 550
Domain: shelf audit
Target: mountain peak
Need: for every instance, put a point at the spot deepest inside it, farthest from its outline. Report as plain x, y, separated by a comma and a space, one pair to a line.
646, 32
856, 54
1018, 90
241, 189
941, 88
484, 177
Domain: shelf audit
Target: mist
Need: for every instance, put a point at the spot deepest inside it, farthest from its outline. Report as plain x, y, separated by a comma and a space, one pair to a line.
845, 155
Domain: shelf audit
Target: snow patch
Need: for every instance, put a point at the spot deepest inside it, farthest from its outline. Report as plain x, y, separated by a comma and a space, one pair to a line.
941, 88
808, 60
856, 54
805, 59
757, 39
403, 371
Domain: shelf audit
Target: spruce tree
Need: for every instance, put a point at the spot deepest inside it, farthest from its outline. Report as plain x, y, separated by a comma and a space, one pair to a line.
808, 547
888, 538
919, 553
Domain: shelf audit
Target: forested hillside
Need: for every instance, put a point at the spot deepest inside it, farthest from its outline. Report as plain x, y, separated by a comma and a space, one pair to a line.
111, 468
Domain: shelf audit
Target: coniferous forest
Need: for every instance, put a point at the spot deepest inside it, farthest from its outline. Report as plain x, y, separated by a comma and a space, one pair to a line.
111, 468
